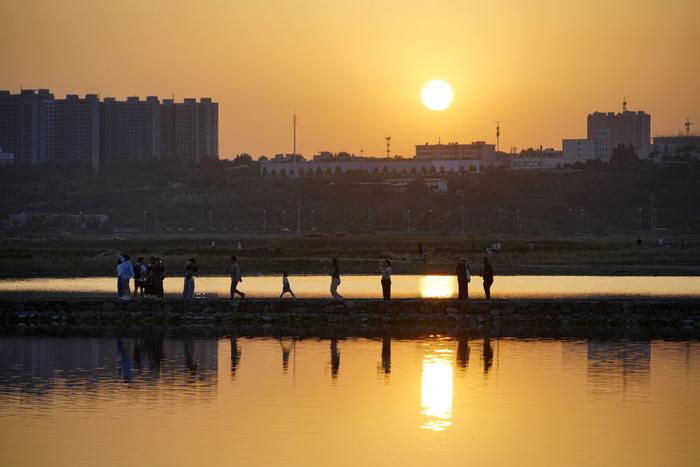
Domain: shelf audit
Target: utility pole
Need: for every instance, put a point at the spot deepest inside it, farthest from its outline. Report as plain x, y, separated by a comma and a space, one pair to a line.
461, 211
652, 211
294, 150
299, 216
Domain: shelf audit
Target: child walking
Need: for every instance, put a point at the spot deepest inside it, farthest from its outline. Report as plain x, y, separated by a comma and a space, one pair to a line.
285, 285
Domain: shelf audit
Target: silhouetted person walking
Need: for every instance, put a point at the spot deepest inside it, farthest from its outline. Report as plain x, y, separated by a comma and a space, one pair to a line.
463, 279
386, 280
286, 288
236, 277
487, 275
190, 272
335, 280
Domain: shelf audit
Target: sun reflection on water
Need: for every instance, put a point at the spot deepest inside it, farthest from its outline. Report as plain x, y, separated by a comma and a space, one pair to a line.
437, 286
436, 387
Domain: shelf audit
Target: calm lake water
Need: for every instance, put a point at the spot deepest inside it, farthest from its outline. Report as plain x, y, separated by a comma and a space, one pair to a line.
403, 286
165, 401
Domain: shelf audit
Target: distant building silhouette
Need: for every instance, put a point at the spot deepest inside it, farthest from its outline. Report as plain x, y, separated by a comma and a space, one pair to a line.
610, 130
36, 128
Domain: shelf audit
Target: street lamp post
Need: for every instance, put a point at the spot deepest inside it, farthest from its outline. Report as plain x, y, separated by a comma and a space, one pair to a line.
430, 220
264, 220
144, 220
369, 218
312, 220
581, 211
500, 216
461, 212
210, 224
517, 217
284, 218
408, 219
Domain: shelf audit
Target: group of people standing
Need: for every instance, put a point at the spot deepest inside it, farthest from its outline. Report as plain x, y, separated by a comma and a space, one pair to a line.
148, 277
464, 277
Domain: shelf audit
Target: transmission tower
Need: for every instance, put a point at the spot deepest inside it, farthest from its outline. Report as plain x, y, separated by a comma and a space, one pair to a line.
498, 133
687, 125
388, 146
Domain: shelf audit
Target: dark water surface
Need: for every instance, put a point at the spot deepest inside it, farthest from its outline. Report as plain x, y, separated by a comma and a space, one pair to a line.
155, 400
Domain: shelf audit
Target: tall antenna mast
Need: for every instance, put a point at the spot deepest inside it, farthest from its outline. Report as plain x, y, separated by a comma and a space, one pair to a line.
687, 125
624, 104
388, 146
498, 134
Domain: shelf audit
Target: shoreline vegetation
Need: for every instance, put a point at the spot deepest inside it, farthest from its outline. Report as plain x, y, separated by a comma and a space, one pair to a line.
88, 256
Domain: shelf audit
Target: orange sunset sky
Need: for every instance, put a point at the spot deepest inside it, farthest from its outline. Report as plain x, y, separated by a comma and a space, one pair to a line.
353, 71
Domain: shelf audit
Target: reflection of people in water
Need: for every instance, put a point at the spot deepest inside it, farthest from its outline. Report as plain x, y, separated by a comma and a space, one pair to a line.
488, 353
286, 352
190, 362
124, 360
335, 357
153, 341
462, 351
235, 354
386, 354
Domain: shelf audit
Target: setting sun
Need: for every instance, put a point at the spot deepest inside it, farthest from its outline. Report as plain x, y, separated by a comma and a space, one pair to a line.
437, 95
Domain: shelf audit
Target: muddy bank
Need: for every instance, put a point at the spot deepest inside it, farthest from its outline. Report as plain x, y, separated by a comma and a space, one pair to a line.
668, 317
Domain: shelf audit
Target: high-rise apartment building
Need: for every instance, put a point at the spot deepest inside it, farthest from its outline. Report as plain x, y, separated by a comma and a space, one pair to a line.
610, 130
74, 131
130, 129
24, 125
37, 128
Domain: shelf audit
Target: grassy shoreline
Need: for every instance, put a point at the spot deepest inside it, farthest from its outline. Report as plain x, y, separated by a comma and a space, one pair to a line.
96, 256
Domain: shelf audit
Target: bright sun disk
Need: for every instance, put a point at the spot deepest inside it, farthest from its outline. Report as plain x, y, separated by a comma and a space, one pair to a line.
437, 95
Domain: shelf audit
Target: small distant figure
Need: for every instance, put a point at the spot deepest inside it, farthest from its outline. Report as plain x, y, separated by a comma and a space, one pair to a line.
286, 288
213, 244
682, 243
140, 271
386, 280
487, 275
125, 271
422, 253
639, 242
239, 247
463, 279
190, 273
335, 280
661, 242
236, 277
531, 246
158, 278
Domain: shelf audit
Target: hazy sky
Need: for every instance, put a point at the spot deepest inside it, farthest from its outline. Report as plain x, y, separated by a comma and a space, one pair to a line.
352, 71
